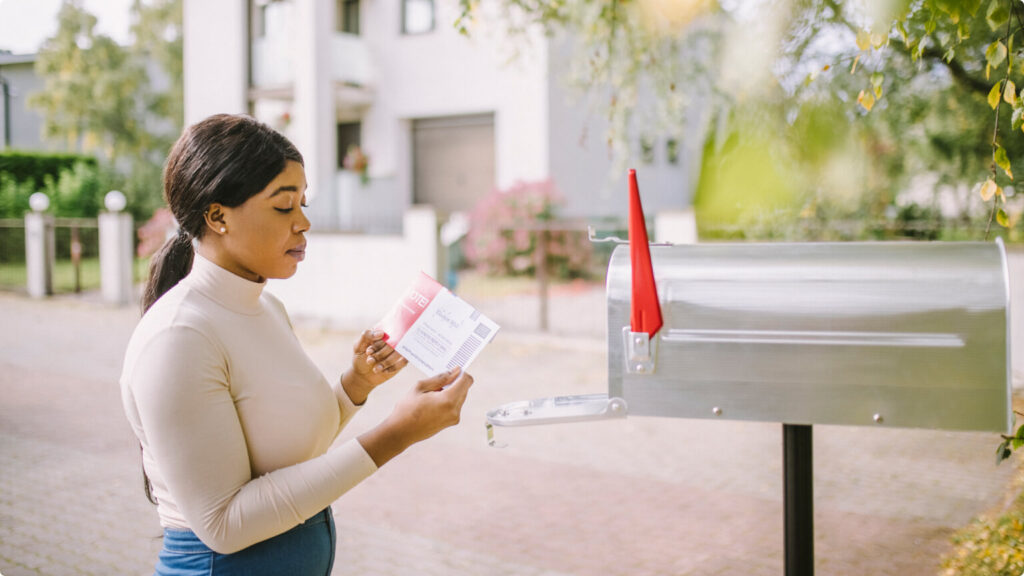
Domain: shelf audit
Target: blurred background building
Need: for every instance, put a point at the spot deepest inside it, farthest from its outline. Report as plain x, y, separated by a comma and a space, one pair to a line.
20, 126
439, 118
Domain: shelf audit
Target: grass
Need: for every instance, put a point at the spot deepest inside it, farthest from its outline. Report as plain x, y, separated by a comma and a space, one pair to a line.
13, 275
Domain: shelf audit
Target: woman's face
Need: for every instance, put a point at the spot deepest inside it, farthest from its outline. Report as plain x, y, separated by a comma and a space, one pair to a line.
265, 236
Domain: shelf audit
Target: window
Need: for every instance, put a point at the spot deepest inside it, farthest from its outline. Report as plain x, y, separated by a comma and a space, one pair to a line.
347, 16
417, 16
647, 150
672, 151
349, 134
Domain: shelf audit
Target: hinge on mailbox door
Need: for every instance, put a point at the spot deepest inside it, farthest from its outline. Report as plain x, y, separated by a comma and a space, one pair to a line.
641, 351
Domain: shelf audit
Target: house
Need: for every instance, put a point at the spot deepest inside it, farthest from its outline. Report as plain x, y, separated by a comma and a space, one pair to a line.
443, 118
20, 126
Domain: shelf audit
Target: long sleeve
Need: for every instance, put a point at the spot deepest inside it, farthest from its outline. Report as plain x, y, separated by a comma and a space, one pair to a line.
191, 427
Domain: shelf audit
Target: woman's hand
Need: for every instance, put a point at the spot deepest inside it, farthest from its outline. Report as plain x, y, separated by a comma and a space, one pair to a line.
373, 363
421, 413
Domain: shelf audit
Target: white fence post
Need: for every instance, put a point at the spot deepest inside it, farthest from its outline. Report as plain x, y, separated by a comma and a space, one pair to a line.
40, 247
116, 250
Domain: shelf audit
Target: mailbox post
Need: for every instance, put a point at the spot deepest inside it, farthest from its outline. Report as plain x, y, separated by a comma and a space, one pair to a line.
894, 335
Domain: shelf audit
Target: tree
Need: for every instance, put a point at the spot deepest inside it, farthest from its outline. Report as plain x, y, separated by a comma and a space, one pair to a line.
100, 98
91, 88
930, 67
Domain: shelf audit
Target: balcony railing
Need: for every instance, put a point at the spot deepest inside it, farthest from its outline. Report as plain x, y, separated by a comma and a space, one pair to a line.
272, 66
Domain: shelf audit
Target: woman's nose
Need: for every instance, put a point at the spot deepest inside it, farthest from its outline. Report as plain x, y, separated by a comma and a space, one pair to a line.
302, 224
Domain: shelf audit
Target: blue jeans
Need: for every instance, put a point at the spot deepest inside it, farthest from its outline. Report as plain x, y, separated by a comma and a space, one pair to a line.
306, 550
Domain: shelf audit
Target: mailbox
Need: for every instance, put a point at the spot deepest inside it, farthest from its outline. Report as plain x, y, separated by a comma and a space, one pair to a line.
877, 334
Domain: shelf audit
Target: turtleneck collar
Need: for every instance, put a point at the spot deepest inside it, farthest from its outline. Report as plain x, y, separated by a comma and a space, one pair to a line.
226, 288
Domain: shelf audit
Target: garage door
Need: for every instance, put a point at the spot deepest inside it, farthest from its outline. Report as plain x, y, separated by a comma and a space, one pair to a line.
453, 161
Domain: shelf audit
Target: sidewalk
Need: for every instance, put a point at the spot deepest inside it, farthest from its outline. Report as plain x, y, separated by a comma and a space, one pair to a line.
633, 497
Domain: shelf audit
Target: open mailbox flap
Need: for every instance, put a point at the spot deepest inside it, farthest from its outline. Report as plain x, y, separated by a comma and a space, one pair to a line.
904, 334
557, 410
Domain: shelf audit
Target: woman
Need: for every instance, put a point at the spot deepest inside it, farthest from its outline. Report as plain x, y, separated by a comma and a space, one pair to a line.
235, 421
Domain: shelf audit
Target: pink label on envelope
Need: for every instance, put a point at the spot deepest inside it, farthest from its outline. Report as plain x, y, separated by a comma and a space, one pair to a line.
409, 308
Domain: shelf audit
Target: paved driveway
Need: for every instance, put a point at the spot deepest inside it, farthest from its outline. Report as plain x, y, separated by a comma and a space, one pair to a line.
633, 497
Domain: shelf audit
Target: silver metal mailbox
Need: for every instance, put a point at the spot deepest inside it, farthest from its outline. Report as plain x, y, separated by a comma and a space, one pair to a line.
878, 334
895, 334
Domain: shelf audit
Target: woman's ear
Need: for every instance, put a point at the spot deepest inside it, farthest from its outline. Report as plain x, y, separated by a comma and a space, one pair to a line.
214, 216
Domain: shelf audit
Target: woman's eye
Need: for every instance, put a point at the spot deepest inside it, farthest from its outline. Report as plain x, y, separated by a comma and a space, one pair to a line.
283, 210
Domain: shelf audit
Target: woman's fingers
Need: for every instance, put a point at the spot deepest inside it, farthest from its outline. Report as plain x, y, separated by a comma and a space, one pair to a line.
439, 381
366, 339
384, 357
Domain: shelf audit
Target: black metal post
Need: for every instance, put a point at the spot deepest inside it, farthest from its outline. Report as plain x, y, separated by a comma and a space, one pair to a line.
798, 476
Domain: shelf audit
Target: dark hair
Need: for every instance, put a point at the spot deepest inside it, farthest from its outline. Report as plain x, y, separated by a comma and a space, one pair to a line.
225, 159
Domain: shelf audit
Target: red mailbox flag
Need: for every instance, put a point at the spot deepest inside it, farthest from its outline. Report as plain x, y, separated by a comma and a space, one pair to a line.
646, 310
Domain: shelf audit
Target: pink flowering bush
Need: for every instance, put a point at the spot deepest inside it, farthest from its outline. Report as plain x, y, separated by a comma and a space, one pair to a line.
155, 232
504, 233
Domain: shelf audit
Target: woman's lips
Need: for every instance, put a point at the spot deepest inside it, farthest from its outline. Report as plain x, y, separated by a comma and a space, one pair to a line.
298, 252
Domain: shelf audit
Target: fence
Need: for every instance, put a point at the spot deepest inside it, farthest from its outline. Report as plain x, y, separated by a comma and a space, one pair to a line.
76, 249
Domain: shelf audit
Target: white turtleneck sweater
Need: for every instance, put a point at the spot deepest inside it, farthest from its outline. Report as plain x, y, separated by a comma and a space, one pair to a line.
236, 422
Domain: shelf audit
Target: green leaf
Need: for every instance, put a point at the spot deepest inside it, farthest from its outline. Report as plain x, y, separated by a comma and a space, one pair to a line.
866, 100
994, 94
863, 40
876, 81
1018, 118
1003, 451
1016, 443
1004, 220
1020, 433
949, 55
995, 53
1002, 160
997, 14
963, 31
1010, 93
903, 32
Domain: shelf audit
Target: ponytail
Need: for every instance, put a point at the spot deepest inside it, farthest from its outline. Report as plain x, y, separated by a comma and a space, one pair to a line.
169, 265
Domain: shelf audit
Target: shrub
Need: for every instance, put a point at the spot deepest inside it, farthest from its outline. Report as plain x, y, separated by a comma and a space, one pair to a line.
503, 234
76, 192
34, 167
14, 196
73, 183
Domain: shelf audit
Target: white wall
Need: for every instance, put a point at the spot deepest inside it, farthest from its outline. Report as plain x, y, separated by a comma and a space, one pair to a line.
350, 281
443, 74
215, 62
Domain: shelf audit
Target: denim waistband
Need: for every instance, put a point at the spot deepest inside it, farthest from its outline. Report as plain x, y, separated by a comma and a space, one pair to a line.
186, 541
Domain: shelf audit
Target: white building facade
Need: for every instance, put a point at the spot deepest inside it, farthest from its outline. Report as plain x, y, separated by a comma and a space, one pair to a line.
443, 118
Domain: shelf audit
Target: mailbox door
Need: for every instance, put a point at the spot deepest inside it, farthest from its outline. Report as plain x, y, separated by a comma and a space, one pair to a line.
894, 334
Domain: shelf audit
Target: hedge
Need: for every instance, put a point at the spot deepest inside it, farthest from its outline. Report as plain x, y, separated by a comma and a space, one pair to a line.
35, 166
